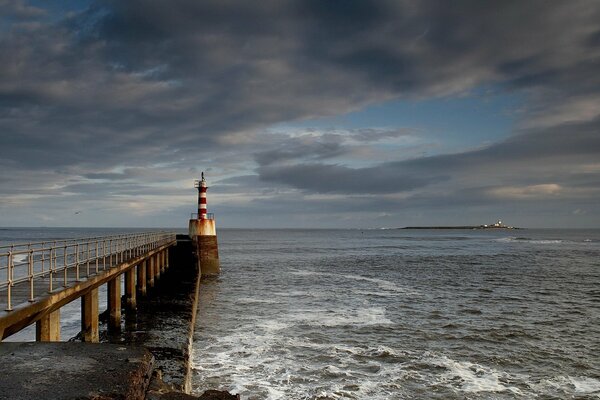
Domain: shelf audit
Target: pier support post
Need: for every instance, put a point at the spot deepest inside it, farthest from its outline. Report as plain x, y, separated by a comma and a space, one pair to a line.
150, 273
47, 329
141, 277
89, 316
114, 303
130, 289
157, 266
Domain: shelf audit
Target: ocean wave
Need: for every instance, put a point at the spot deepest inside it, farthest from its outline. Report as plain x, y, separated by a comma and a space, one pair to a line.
473, 378
345, 317
512, 239
585, 385
256, 300
381, 283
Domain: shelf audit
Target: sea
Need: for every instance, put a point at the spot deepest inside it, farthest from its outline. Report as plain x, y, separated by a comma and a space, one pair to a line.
397, 314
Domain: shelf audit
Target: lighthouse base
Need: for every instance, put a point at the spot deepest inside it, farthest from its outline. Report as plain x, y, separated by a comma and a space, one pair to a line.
208, 255
202, 227
204, 235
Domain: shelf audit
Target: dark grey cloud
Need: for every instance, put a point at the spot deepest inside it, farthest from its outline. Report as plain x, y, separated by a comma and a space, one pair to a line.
124, 80
169, 85
323, 178
519, 158
19, 9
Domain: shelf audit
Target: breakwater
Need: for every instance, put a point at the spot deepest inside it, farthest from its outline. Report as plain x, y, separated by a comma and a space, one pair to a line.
144, 353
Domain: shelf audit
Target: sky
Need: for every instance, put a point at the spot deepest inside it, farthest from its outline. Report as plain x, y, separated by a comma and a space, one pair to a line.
302, 114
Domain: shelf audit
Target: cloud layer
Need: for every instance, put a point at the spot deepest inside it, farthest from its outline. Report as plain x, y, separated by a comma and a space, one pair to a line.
117, 107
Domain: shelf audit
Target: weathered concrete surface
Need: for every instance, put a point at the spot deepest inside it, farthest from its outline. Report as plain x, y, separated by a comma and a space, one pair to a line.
202, 227
165, 317
208, 255
65, 371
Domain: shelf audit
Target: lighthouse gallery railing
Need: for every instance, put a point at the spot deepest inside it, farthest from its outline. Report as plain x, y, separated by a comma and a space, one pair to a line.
57, 261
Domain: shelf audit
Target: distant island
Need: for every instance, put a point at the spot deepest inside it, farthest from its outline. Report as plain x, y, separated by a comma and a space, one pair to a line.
497, 225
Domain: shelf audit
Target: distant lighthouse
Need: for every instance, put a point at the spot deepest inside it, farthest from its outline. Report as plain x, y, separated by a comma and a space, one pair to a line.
202, 230
201, 185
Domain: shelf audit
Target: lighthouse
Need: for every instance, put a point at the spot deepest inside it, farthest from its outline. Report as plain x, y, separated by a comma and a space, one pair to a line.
201, 185
203, 232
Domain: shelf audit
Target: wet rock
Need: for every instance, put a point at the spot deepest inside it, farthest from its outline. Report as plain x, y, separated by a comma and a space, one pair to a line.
159, 390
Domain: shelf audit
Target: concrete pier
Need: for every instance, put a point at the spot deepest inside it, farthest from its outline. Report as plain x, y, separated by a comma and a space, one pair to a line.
161, 273
164, 319
68, 371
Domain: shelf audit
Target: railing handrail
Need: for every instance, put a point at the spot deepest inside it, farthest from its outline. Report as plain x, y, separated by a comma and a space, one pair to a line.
56, 256
73, 240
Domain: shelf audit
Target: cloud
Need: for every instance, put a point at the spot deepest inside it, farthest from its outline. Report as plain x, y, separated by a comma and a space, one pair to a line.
527, 192
123, 90
20, 10
322, 178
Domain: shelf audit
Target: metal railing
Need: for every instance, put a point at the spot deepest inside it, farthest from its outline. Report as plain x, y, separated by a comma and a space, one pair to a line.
208, 216
52, 261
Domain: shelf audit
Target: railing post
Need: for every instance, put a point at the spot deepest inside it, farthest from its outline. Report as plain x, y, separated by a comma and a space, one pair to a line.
87, 246
9, 267
50, 274
65, 265
77, 262
30, 273
97, 257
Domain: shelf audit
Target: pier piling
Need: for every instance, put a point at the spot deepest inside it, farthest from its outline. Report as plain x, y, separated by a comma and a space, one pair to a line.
114, 304
89, 316
47, 328
130, 297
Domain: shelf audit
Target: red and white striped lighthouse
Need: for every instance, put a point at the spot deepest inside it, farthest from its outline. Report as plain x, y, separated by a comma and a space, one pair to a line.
203, 232
202, 198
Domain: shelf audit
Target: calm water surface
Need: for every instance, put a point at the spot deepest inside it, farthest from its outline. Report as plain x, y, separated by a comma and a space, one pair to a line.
394, 314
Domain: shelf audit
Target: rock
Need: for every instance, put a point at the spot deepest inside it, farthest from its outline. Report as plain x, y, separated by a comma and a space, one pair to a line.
218, 395
159, 390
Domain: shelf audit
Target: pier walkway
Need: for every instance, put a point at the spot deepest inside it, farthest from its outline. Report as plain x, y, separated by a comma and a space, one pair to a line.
37, 279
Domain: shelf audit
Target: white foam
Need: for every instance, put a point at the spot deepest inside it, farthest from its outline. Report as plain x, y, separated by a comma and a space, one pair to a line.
513, 239
273, 325
20, 258
263, 364
471, 377
584, 384
381, 283
331, 318
256, 300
